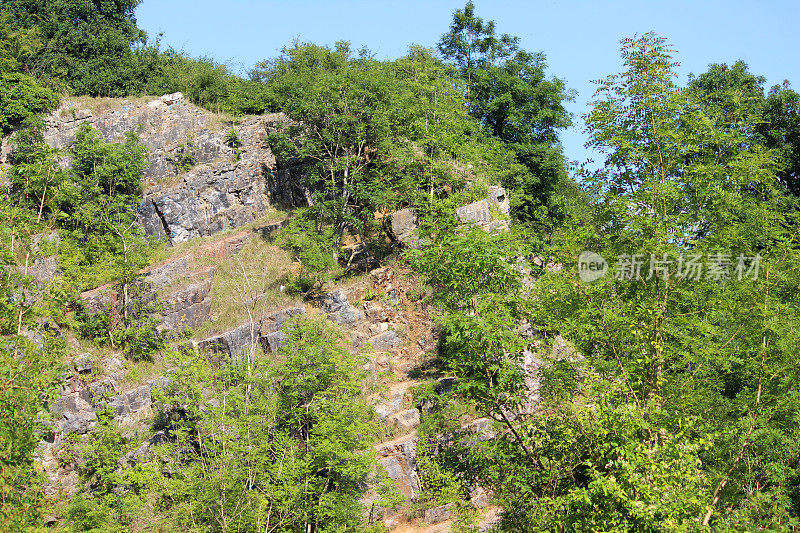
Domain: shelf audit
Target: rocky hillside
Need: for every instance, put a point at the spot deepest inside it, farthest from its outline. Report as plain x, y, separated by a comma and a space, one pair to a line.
217, 205
197, 183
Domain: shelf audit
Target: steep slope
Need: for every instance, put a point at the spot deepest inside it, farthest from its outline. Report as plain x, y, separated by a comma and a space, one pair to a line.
196, 183
217, 218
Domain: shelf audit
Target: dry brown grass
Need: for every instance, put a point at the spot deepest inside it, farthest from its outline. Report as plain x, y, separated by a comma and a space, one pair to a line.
100, 105
248, 282
217, 120
140, 372
164, 252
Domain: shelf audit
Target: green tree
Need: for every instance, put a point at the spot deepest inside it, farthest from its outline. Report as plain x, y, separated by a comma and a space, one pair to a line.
21, 96
277, 445
433, 133
736, 97
28, 373
96, 209
343, 108
93, 48
510, 96
703, 348
781, 129
202, 80
687, 387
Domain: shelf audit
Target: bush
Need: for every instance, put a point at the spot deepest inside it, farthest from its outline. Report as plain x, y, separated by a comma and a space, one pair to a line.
233, 140
287, 441
185, 157
316, 250
21, 97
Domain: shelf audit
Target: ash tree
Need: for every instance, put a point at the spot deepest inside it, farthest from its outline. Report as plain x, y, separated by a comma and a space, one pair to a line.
682, 413
508, 92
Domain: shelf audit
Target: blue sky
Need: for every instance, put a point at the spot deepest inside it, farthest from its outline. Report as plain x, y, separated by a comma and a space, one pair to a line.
579, 38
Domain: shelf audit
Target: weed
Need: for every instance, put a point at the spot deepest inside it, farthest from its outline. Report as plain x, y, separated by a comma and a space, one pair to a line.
233, 140
185, 156
369, 294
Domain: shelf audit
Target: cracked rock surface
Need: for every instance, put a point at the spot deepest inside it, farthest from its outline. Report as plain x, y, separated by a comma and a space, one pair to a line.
222, 190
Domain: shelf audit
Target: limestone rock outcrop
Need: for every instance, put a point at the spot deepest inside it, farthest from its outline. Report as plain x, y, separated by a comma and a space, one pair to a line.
404, 227
490, 214
224, 188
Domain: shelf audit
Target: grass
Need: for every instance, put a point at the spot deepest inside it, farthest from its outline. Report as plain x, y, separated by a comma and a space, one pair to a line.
217, 120
100, 105
140, 372
249, 281
164, 252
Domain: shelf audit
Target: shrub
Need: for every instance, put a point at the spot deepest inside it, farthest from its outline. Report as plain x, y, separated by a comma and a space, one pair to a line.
314, 248
21, 97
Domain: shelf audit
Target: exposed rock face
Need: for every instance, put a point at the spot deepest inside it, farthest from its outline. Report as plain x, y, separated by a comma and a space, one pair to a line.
373, 325
404, 421
75, 415
221, 191
228, 345
190, 306
44, 267
76, 409
182, 285
399, 460
234, 344
439, 514
339, 310
391, 404
404, 227
490, 214
386, 341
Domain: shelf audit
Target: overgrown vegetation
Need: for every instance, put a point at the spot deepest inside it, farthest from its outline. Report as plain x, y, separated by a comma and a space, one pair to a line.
659, 397
280, 443
677, 397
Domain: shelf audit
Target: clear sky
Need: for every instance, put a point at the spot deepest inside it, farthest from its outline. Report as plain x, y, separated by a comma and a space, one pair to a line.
579, 38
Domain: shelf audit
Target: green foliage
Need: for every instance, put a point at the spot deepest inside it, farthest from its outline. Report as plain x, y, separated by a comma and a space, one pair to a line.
314, 248
437, 128
513, 101
684, 347
102, 454
21, 97
137, 330
233, 140
202, 80
342, 105
736, 100
37, 177
92, 48
185, 157
28, 372
281, 443
90, 203
140, 337
15, 45
781, 129
372, 135
679, 415
602, 468
91, 515
134, 327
